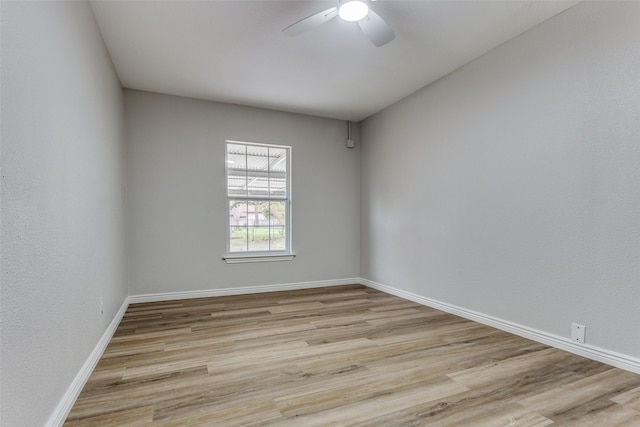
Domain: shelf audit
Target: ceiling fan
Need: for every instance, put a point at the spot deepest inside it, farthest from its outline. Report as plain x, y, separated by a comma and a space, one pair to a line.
372, 25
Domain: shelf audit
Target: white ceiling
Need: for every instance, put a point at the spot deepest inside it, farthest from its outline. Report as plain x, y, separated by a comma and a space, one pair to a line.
235, 51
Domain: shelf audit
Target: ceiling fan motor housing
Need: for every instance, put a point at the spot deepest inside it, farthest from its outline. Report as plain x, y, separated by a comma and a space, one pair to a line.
352, 10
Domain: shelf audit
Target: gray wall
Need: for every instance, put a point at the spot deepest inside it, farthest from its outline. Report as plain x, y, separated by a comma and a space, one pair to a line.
62, 202
512, 186
176, 204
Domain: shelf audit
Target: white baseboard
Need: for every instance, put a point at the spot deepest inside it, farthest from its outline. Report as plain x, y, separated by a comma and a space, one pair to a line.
241, 290
609, 357
66, 403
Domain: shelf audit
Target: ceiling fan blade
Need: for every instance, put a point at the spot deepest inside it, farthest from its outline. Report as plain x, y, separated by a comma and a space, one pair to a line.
376, 29
311, 21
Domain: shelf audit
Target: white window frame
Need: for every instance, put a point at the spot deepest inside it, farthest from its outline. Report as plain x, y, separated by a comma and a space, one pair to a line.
258, 256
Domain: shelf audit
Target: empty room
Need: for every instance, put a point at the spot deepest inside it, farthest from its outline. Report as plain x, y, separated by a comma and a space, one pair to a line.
320, 213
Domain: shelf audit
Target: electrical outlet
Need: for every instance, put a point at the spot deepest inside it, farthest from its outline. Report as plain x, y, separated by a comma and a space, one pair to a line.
577, 333
101, 306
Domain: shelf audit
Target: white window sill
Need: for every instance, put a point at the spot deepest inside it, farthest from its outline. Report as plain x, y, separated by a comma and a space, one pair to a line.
240, 259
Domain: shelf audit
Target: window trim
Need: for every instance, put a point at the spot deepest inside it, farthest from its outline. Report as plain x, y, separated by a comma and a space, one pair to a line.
235, 259
258, 256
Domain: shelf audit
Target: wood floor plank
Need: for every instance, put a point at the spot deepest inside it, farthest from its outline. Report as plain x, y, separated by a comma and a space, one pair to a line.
373, 406
630, 398
586, 396
136, 417
504, 371
339, 356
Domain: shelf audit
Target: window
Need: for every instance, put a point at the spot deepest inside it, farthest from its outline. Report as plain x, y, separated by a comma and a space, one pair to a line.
258, 201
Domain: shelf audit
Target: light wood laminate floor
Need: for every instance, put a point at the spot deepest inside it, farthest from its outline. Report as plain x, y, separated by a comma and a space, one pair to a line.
339, 356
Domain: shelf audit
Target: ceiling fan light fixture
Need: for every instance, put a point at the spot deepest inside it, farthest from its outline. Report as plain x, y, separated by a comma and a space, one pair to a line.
353, 10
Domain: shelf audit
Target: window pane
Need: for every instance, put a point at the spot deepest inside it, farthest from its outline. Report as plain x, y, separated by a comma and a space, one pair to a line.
257, 171
278, 186
236, 184
238, 241
237, 226
236, 170
278, 159
255, 214
258, 186
278, 238
258, 239
278, 172
238, 213
277, 213
258, 159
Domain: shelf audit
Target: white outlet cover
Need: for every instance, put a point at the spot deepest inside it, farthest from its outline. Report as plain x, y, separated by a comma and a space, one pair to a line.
577, 333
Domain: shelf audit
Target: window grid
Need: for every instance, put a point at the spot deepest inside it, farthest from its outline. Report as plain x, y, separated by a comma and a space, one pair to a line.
258, 199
